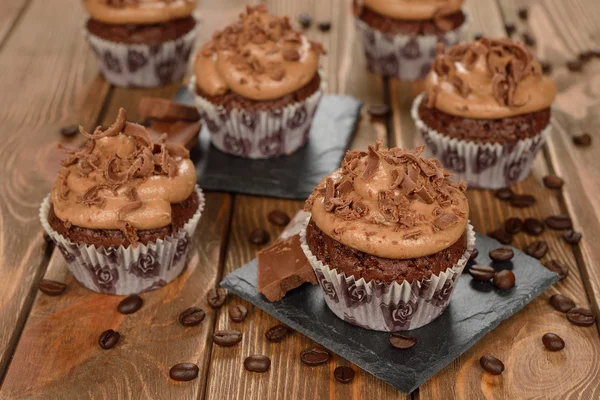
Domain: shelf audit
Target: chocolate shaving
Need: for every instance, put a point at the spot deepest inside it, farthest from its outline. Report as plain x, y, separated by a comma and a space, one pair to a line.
424, 195
129, 232
445, 221
372, 164
398, 176
344, 187
112, 130
415, 233
140, 133
329, 194
64, 187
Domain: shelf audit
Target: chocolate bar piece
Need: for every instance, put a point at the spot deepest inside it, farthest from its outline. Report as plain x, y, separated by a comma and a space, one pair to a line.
166, 110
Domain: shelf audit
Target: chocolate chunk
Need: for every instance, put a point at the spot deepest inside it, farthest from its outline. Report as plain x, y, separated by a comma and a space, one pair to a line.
583, 140
445, 221
491, 365
278, 217
510, 28
325, 26
305, 21
553, 182
562, 303
502, 236
504, 279
513, 225
553, 342
184, 372
557, 267
473, 255
130, 304
379, 110
259, 236
501, 254
238, 313
572, 237
537, 249
69, 130
559, 222
166, 110
402, 341
343, 374
581, 317
504, 194
192, 316
546, 67
574, 65
257, 363
51, 288
482, 272
315, 355
523, 13
522, 200
109, 339
216, 297
533, 226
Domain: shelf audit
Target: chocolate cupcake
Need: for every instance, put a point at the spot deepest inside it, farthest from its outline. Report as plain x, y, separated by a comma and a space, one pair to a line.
123, 209
141, 43
257, 85
387, 238
486, 111
400, 37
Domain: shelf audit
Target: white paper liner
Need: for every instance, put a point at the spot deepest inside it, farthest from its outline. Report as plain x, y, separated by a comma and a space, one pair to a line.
406, 57
481, 165
143, 65
256, 133
126, 270
388, 307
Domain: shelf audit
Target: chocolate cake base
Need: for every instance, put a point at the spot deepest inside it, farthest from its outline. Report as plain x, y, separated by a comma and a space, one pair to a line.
180, 214
142, 34
362, 265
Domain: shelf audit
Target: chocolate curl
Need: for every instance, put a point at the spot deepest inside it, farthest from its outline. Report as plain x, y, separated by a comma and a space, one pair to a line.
463, 89
111, 172
91, 196
138, 132
329, 194
177, 150
112, 130
129, 232
424, 195
500, 89
398, 176
345, 186
147, 167
415, 233
64, 187
432, 96
372, 164
387, 208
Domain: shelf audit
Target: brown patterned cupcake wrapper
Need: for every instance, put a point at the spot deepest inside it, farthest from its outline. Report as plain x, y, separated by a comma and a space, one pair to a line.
143, 65
383, 306
126, 270
406, 57
481, 165
255, 133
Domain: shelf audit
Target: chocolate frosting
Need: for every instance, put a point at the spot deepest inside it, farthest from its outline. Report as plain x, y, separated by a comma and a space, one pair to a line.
488, 79
120, 179
391, 203
413, 9
139, 12
260, 57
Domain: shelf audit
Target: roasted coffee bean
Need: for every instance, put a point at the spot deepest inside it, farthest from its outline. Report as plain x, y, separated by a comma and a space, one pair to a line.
596, 52
305, 21
528, 39
482, 272
504, 194
522, 200
473, 255
559, 222
69, 130
238, 313
324, 26
581, 317
574, 65
108, 339
216, 297
501, 254
192, 316
553, 342
491, 364
523, 13
478, 36
402, 341
278, 217
379, 110
557, 267
537, 249
51, 288
343, 374
504, 279
227, 338
583, 140
277, 333
257, 363
259, 236
513, 225
130, 304
184, 372
553, 182
502, 236
572, 237
585, 56
533, 227
546, 67
315, 355
510, 28
561, 302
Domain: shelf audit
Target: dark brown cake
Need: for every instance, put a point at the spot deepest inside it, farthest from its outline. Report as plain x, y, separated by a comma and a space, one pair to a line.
142, 34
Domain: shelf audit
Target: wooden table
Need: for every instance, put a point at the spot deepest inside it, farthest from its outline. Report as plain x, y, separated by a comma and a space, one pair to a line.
48, 345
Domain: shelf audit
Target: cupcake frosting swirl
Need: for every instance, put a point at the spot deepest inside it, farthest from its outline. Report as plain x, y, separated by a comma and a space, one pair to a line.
488, 79
139, 12
391, 203
122, 180
413, 9
260, 57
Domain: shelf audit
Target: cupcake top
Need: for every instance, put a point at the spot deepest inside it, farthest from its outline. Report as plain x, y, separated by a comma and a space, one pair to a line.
488, 79
260, 57
139, 12
413, 9
391, 203
120, 179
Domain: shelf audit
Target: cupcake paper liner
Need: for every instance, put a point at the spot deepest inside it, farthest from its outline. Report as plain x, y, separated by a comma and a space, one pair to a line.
256, 133
383, 306
126, 270
143, 65
481, 165
406, 57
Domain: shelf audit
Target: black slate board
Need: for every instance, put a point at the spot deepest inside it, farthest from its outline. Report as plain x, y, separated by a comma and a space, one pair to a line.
293, 176
475, 309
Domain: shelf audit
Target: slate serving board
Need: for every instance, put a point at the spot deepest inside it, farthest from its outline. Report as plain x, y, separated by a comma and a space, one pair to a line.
293, 176
475, 309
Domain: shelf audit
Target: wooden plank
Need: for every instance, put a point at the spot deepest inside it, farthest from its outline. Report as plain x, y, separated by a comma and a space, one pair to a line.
10, 12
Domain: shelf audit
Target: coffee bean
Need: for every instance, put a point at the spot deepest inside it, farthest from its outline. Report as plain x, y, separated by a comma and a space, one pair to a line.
491, 364
473, 255
227, 338
51, 288
553, 342
528, 39
259, 236
324, 26
561, 302
277, 333
402, 341
522, 200
533, 227
537, 249
501, 254
482, 272
69, 130
513, 225
257, 363
596, 52
553, 182
583, 140
216, 297
379, 110
278, 217
184, 372
478, 36
504, 194
523, 13
504, 279
108, 339
192, 316
585, 56
502, 236
343, 374
559, 222
557, 267
581, 317
305, 21
315, 355
574, 65
510, 28
546, 67
130, 304
572, 237
238, 313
